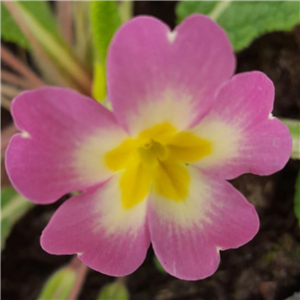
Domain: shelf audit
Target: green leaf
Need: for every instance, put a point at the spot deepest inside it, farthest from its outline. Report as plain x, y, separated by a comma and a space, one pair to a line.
105, 20
294, 127
10, 30
42, 13
99, 82
13, 207
244, 20
114, 291
59, 285
297, 198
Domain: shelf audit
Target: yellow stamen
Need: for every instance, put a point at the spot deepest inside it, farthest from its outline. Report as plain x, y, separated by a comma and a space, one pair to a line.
156, 158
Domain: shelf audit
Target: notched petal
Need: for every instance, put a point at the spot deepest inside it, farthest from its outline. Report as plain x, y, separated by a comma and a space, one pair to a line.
95, 226
172, 36
25, 135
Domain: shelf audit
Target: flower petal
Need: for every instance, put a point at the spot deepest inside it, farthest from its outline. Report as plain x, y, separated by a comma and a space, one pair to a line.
187, 235
155, 75
107, 237
244, 136
60, 149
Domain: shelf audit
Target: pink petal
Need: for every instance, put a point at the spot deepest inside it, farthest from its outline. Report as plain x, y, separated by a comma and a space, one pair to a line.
107, 238
155, 75
187, 235
245, 137
59, 150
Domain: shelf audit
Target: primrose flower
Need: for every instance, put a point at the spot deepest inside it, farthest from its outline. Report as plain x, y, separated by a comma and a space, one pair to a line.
155, 168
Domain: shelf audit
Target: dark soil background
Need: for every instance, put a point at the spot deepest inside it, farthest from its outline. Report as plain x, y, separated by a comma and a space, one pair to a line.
266, 268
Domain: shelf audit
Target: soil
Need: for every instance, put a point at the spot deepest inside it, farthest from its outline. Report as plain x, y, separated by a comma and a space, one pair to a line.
266, 268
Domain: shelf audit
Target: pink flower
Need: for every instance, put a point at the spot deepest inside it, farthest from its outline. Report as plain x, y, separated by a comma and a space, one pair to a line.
155, 169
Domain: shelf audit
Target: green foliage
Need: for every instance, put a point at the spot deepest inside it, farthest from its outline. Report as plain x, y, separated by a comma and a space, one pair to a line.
40, 10
294, 127
297, 198
59, 285
99, 82
13, 207
245, 20
105, 20
114, 291
10, 31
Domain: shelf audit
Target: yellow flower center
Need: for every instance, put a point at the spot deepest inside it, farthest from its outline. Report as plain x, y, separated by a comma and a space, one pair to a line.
156, 159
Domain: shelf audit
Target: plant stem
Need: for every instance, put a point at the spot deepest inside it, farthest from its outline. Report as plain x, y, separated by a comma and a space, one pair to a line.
121, 280
5, 102
126, 10
42, 56
21, 68
9, 91
58, 52
46, 66
82, 32
6, 135
64, 20
11, 78
81, 275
